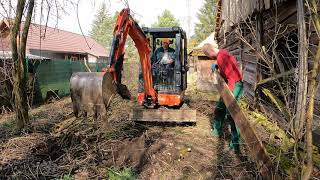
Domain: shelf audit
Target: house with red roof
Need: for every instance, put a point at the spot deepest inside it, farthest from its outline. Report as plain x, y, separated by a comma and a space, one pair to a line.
52, 43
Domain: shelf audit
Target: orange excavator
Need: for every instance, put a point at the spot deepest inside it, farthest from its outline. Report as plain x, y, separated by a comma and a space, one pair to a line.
160, 84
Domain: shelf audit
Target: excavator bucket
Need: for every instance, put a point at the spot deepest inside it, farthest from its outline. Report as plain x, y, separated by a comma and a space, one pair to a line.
94, 90
177, 116
110, 87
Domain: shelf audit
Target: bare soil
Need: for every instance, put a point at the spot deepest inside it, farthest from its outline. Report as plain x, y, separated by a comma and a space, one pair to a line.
60, 145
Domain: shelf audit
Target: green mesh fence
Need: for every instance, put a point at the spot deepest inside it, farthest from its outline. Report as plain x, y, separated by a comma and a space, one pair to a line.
99, 66
54, 76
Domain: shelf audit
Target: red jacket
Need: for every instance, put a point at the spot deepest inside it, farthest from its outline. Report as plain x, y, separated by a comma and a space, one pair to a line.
228, 68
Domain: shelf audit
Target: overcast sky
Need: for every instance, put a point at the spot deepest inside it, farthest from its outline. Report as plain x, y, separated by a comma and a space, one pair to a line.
146, 11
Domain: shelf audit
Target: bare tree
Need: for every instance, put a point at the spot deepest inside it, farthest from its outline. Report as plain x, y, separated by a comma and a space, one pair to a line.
18, 48
23, 13
6, 82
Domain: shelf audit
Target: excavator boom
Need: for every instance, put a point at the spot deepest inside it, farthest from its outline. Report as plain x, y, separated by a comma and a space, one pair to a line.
125, 25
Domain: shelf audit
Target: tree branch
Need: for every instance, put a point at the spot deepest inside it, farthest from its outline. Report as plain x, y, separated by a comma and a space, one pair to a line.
16, 28
26, 27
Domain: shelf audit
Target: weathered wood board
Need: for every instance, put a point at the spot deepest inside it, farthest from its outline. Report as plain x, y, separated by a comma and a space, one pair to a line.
204, 71
316, 137
252, 141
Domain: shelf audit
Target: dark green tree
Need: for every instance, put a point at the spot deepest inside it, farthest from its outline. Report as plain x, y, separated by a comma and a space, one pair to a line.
166, 19
102, 31
131, 50
102, 27
207, 19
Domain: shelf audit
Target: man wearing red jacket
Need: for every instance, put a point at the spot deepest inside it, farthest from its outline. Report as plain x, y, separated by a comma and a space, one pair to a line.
228, 69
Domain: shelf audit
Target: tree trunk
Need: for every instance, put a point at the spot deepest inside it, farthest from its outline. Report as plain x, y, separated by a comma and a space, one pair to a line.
18, 46
313, 84
302, 73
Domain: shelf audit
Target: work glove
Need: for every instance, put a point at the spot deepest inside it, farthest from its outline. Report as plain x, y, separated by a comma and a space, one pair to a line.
214, 67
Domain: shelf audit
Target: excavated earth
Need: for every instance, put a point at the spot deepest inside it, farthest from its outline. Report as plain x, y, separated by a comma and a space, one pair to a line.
59, 146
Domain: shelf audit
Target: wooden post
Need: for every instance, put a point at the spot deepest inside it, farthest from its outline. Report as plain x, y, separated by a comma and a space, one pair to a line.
259, 43
218, 19
312, 87
302, 84
257, 150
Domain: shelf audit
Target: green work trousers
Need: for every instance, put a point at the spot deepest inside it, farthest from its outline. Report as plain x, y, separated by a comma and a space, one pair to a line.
221, 113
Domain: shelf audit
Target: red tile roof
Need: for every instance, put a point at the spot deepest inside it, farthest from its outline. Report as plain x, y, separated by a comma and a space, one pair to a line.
5, 44
57, 40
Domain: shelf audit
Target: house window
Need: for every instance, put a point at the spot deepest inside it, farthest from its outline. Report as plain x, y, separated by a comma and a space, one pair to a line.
71, 57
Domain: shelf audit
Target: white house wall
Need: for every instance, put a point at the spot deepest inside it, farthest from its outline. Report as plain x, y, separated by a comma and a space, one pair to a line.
92, 59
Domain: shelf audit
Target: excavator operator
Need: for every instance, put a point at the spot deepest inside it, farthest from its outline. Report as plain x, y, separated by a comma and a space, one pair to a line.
164, 54
163, 57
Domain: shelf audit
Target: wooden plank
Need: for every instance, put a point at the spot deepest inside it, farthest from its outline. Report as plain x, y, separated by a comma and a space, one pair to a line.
163, 115
235, 46
253, 142
313, 39
287, 9
249, 77
250, 71
287, 27
302, 86
218, 19
249, 91
252, 68
274, 115
249, 58
247, 85
232, 40
248, 98
316, 137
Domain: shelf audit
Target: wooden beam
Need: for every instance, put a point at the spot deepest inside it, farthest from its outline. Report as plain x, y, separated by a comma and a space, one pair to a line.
287, 26
253, 142
283, 12
302, 87
273, 114
316, 137
218, 18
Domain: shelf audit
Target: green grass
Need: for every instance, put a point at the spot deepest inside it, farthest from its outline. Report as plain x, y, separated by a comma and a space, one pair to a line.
9, 125
124, 174
65, 177
286, 162
111, 135
62, 86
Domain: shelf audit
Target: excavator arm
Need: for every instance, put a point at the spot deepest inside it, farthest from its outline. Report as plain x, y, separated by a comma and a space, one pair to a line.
125, 25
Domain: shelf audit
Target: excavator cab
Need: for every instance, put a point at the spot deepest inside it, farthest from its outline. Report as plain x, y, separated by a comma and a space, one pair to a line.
169, 80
